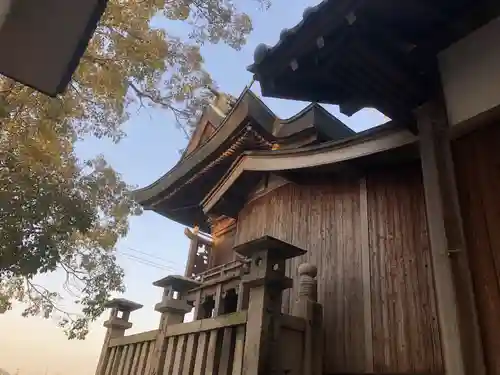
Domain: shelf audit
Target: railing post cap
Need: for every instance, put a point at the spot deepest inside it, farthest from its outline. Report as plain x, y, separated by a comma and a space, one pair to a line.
177, 282
173, 305
277, 248
117, 323
308, 269
122, 304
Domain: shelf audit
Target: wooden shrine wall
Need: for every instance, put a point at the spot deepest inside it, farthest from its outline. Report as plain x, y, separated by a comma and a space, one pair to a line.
223, 232
368, 238
477, 165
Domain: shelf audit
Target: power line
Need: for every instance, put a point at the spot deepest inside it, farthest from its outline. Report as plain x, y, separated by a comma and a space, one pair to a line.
146, 262
174, 264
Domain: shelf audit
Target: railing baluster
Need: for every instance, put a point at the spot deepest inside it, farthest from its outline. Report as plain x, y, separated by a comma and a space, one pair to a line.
179, 355
238, 350
169, 356
111, 359
141, 366
190, 352
135, 359
201, 354
211, 353
128, 359
123, 356
226, 352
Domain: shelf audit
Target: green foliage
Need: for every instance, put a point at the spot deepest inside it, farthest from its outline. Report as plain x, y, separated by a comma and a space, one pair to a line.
59, 213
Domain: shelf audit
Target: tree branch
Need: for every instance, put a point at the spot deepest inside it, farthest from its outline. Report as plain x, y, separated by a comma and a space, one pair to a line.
178, 113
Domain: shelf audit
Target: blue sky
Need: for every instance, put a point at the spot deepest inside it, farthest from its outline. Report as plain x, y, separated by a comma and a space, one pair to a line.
151, 149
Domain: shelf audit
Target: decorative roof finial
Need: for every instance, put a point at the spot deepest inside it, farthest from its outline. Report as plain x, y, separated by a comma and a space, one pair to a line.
260, 53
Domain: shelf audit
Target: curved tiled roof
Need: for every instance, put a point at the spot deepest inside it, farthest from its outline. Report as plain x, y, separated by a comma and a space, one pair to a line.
251, 125
263, 51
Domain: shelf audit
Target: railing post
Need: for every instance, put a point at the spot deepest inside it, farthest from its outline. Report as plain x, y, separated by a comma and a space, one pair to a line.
172, 311
266, 281
307, 307
116, 325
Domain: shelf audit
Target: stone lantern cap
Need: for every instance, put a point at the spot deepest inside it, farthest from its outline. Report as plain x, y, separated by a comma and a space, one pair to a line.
277, 248
177, 283
123, 304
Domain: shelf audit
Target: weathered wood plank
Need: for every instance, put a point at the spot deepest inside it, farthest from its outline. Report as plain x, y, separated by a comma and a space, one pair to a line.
212, 353
128, 359
329, 231
226, 353
462, 351
201, 354
170, 355
121, 364
190, 354
111, 359
365, 259
238, 350
179, 357
223, 321
476, 160
219, 301
405, 338
135, 360
292, 352
293, 322
132, 339
143, 357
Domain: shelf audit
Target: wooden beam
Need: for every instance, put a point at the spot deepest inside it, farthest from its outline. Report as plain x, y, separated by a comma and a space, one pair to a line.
286, 160
229, 320
460, 337
134, 339
365, 261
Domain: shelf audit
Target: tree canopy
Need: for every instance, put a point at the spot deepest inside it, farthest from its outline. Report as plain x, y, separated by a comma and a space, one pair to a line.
60, 213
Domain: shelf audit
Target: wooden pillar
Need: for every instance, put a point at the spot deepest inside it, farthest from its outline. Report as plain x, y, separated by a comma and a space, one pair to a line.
266, 281
193, 251
460, 338
116, 325
307, 307
172, 311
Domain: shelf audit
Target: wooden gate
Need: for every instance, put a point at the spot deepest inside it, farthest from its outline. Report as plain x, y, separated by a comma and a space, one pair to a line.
477, 165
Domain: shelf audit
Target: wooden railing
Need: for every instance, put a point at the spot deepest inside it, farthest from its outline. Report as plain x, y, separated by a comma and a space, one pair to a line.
130, 354
255, 339
208, 346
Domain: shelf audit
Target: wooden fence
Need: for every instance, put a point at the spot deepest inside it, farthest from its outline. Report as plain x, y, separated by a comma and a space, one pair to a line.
130, 354
259, 339
208, 346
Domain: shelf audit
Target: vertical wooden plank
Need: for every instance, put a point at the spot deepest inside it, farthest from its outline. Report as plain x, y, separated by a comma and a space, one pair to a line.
117, 360
238, 350
226, 353
365, 259
219, 302
478, 180
135, 359
111, 359
198, 307
242, 303
123, 357
190, 354
128, 359
201, 354
142, 360
179, 355
170, 355
211, 362
462, 348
